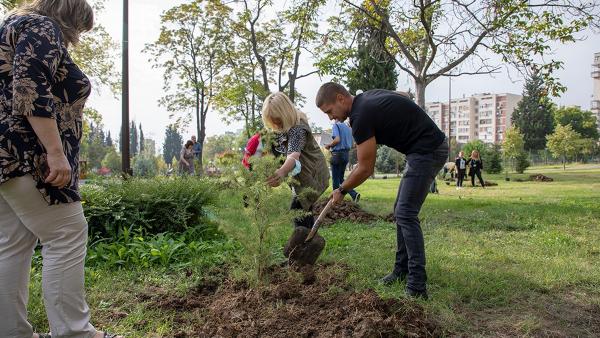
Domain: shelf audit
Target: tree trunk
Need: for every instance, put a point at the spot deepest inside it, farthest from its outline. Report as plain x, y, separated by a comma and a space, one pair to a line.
201, 131
420, 92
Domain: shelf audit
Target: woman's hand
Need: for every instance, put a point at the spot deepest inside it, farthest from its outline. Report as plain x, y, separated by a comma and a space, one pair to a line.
275, 180
60, 170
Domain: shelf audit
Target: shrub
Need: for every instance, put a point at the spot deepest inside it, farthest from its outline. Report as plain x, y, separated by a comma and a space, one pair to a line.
494, 159
145, 166
152, 205
521, 163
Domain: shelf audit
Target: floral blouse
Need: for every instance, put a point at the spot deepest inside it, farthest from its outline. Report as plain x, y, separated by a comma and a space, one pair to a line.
38, 78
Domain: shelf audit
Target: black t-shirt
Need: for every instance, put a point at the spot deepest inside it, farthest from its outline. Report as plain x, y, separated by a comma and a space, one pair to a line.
395, 121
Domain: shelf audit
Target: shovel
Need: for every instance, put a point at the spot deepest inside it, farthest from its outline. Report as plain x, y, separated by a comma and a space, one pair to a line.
305, 246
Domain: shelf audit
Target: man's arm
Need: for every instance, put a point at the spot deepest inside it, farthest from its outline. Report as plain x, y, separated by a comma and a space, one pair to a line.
335, 141
366, 153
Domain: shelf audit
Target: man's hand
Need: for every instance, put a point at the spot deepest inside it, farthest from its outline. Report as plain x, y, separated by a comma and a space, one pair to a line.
60, 170
336, 196
275, 180
327, 146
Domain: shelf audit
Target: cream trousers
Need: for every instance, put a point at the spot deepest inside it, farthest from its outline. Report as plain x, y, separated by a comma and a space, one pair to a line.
25, 218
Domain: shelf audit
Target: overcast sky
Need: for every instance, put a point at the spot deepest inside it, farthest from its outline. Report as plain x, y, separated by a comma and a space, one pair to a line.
146, 83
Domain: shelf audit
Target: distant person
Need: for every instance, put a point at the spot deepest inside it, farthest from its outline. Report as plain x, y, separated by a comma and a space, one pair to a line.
449, 167
294, 140
43, 96
197, 148
386, 117
186, 159
461, 169
475, 167
340, 148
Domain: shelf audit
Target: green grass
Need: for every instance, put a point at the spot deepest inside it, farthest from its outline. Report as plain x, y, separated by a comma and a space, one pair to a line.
518, 259
490, 250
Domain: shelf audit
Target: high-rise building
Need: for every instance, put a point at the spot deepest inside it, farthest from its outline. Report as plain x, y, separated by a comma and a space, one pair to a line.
479, 117
595, 106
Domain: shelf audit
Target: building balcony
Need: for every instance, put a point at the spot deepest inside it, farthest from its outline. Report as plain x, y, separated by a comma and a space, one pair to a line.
596, 74
595, 105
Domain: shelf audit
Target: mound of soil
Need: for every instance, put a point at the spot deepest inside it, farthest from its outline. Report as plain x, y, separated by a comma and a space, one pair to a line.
490, 184
344, 211
287, 307
540, 178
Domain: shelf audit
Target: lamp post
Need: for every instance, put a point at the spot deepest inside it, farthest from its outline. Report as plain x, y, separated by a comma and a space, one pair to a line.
125, 165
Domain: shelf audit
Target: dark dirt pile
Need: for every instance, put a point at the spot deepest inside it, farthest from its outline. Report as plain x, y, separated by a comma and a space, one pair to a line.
490, 184
344, 211
291, 306
540, 178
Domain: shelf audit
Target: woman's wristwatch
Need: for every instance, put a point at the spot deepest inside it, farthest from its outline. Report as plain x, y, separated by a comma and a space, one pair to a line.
342, 191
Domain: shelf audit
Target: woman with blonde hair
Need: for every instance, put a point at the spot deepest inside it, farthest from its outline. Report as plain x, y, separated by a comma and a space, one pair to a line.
294, 139
475, 166
43, 94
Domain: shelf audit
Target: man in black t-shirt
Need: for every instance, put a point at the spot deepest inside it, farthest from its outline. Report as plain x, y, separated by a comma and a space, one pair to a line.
390, 118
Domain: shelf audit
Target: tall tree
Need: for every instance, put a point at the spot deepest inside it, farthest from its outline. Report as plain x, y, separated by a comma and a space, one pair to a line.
375, 68
563, 143
133, 139
142, 145
432, 38
109, 140
533, 115
582, 121
172, 144
513, 146
188, 50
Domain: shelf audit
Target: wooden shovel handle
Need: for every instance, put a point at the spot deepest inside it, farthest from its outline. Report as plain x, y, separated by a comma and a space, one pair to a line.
315, 227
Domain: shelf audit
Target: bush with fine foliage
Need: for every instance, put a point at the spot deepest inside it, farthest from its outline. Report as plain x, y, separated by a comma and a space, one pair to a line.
151, 205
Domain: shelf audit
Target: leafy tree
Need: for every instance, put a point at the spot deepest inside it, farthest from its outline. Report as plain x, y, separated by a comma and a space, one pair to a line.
220, 143
563, 143
112, 160
188, 49
533, 115
389, 160
521, 163
430, 39
494, 159
133, 139
513, 145
144, 165
582, 121
109, 141
95, 150
172, 144
474, 145
142, 145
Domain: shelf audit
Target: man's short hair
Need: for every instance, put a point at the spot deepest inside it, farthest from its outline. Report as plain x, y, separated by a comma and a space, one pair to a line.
328, 91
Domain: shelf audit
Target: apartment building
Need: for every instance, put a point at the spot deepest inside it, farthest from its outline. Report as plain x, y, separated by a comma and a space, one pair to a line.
478, 117
595, 106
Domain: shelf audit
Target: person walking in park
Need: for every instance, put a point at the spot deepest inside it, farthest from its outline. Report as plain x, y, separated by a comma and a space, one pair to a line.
294, 140
340, 155
390, 118
186, 159
461, 169
44, 93
475, 167
197, 147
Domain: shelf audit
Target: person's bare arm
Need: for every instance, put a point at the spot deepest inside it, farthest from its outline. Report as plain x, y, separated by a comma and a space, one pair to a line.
286, 167
47, 131
335, 141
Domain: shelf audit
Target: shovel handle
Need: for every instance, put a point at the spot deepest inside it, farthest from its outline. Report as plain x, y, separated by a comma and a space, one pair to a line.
315, 227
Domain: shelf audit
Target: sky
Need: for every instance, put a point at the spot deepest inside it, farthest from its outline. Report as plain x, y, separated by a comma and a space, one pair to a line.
146, 83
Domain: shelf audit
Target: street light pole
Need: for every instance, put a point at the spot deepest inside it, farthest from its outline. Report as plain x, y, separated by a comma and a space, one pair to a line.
449, 118
125, 165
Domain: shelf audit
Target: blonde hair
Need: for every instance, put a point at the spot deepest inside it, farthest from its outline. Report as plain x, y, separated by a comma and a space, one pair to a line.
278, 106
72, 16
475, 154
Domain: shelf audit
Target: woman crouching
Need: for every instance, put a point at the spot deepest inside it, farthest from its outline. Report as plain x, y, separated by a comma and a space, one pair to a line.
294, 139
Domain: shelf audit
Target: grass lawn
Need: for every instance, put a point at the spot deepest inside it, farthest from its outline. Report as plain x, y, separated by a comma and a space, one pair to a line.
511, 260
517, 259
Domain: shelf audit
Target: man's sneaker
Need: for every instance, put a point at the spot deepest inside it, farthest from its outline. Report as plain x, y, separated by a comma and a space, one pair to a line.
356, 198
392, 278
416, 294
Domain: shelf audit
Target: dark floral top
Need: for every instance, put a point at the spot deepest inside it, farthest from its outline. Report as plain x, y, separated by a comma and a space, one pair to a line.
38, 78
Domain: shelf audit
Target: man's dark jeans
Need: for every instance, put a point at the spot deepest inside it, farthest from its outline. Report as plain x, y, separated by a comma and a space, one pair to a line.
339, 162
420, 171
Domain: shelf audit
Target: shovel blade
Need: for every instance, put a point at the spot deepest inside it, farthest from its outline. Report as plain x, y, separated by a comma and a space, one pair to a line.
300, 252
